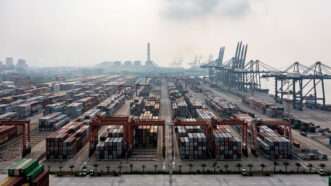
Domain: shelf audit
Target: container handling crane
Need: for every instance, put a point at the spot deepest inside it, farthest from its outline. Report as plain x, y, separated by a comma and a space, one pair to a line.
234, 121
128, 123
282, 125
26, 138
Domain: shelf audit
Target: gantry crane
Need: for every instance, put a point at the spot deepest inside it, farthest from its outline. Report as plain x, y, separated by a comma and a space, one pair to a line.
301, 83
283, 125
129, 124
234, 121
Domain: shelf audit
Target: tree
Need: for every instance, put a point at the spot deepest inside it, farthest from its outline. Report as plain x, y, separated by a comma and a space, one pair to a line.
310, 166
96, 167
286, 164
131, 167
120, 168
155, 168
226, 167
262, 165
143, 167
250, 167
298, 165
203, 166
238, 165
72, 168
190, 167
275, 166
108, 169
180, 168
214, 167
322, 166
60, 169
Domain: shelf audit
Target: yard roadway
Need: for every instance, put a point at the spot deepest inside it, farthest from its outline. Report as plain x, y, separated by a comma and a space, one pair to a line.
226, 180
165, 111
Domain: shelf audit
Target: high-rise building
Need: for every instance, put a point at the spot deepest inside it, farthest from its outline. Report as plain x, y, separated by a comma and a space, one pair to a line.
21, 65
117, 63
127, 63
10, 63
137, 63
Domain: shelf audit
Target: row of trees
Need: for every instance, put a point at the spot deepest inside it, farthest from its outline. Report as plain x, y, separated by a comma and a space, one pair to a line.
277, 167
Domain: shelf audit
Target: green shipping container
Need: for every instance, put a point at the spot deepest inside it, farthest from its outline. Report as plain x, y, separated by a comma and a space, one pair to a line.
35, 172
22, 167
12, 167
31, 167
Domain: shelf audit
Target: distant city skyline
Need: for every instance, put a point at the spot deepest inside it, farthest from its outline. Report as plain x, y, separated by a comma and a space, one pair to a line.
85, 33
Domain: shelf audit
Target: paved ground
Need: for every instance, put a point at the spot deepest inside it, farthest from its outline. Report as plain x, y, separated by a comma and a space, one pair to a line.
191, 180
165, 113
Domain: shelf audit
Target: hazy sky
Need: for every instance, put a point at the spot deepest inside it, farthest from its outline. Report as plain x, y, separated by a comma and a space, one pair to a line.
86, 32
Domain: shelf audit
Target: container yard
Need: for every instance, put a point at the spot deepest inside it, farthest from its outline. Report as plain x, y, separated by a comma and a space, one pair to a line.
142, 93
133, 125
120, 121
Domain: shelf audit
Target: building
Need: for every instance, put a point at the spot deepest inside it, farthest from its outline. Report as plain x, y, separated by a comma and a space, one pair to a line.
10, 63
137, 63
21, 65
117, 63
127, 63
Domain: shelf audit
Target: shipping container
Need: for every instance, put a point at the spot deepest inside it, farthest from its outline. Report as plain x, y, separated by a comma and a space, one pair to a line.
192, 143
66, 142
272, 145
75, 109
7, 132
226, 146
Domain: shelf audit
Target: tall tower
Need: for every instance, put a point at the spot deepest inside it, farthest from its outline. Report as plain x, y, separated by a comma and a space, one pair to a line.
149, 60
148, 51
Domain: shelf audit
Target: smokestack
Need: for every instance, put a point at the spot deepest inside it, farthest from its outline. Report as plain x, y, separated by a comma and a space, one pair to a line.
148, 52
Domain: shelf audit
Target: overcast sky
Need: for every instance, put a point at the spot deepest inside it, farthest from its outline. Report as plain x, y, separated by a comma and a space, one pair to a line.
86, 32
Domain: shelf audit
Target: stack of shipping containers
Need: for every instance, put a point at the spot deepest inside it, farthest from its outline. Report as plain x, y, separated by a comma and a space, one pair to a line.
111, 144
53, 121
7, 132
26, 172
66, 142
75, 109
145, 136
192, 142
226, 146
221, 106
265, 106
272, 144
